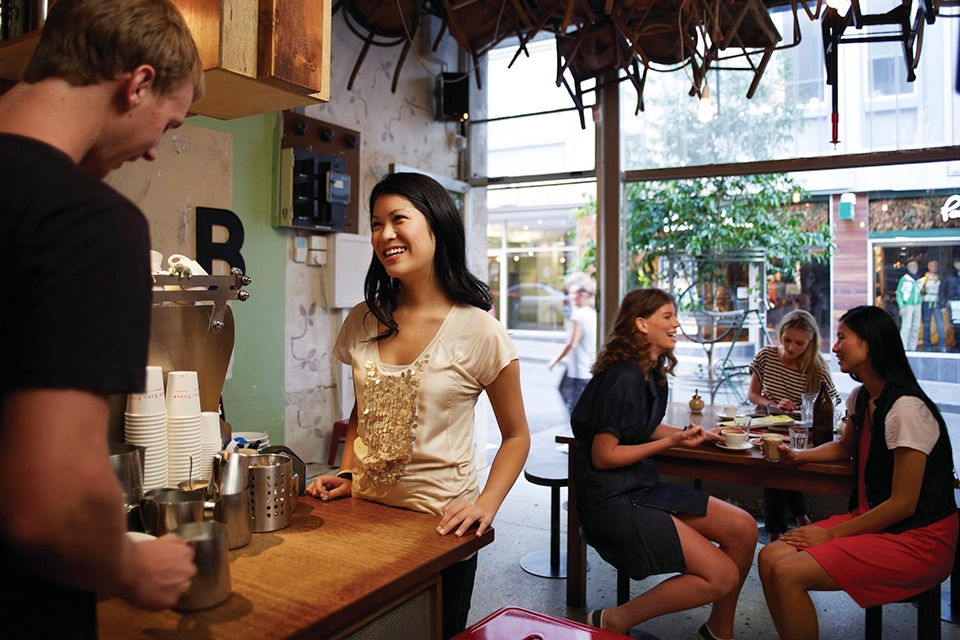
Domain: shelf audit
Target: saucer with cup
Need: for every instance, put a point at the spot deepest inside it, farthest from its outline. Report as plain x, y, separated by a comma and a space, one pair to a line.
734, 439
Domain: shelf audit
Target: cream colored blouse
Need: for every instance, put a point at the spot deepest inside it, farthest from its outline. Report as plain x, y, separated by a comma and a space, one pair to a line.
414, 446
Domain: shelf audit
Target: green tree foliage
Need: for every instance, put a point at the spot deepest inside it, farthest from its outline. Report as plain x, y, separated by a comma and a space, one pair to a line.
706, 217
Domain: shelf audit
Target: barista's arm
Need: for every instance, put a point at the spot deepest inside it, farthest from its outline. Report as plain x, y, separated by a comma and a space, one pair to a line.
63, 511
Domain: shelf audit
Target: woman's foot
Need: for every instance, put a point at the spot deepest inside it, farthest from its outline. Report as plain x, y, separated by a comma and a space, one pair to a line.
595, 618
704, 633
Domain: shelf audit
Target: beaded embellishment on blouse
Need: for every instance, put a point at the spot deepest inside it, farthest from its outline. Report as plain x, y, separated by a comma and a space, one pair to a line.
390, 421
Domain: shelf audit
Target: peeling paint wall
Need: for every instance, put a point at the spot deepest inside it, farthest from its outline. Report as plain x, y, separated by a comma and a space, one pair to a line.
394, 128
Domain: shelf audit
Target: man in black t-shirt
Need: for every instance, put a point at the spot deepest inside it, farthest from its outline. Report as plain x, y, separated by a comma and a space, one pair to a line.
74, 324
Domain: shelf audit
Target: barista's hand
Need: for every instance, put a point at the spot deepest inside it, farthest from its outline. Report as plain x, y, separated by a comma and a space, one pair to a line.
460, 516
327, 487
159, 571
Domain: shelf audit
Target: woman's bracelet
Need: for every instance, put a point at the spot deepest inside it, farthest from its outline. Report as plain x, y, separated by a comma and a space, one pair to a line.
346, 474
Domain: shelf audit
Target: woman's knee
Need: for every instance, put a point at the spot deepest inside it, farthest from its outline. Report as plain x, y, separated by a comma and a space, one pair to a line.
772, 569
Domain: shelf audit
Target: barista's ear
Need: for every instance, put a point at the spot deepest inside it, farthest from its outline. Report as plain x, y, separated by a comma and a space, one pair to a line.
137, 84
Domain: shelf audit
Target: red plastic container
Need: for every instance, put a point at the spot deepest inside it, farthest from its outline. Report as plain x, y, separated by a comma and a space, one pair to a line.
514, 623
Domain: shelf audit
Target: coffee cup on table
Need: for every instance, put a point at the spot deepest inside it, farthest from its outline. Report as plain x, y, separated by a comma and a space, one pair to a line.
734, 437
770, 444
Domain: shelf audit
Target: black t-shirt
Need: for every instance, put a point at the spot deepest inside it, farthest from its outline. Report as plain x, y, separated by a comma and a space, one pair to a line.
75, 315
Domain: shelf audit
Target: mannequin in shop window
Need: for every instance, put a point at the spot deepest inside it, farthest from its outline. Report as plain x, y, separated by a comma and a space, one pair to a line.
908, 299
932, 306
951, 296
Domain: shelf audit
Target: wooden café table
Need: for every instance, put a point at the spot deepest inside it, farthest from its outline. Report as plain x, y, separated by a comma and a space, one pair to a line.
338, 567
706, 462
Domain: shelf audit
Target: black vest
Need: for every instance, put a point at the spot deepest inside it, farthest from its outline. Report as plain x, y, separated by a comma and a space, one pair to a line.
936, 499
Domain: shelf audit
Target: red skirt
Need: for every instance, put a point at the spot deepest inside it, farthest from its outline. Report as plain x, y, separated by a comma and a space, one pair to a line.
879, 568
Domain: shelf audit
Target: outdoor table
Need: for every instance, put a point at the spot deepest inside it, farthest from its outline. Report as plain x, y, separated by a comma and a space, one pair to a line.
706, 462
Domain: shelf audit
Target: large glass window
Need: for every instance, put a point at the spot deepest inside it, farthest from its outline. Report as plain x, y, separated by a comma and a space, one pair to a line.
531, 250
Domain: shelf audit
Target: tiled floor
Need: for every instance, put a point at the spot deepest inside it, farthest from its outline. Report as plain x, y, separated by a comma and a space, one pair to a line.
522, 526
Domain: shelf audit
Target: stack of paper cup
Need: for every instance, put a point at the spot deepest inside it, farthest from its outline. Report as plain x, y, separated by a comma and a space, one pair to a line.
210, 442
184, 426
145, 424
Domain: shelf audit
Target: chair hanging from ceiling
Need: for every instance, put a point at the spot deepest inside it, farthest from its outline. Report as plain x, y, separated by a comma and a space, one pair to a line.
381, 23
593, 52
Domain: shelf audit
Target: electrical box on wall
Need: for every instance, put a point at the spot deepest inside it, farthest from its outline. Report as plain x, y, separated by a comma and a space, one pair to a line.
314, 191
349, 258
319, 175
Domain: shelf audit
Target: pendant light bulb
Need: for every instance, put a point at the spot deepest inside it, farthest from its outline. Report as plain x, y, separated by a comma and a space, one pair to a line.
705, 107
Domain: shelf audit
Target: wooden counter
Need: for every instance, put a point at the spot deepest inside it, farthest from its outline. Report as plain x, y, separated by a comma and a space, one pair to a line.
337, 567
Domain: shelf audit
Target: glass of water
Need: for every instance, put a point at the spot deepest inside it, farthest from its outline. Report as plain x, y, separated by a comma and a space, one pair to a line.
799, 434
806, 407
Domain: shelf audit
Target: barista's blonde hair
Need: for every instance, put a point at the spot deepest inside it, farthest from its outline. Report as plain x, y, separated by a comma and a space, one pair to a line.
88, 41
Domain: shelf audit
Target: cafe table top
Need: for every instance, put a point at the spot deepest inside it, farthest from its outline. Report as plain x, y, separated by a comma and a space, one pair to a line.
335, 564
708, 462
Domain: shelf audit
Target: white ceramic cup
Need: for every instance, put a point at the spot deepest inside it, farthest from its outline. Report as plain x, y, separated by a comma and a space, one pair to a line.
183, 261
156, 261
729, 411
733, 437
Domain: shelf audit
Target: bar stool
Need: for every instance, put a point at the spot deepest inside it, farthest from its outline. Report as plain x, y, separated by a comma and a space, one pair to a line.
339, 436
552, 563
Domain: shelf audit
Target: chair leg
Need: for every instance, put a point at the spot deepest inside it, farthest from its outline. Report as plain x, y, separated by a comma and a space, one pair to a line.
623, 587
928, 614
873, 627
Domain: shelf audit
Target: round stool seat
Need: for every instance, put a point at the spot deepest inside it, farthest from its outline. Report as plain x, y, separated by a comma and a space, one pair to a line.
547, 474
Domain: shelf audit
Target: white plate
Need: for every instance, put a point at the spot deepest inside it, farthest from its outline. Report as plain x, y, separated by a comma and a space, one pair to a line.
744, 447
724, 416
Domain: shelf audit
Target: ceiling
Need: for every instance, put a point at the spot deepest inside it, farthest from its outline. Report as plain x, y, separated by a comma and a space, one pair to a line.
602, 41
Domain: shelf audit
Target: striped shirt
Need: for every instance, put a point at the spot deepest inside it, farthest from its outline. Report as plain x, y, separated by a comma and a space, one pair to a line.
778, 382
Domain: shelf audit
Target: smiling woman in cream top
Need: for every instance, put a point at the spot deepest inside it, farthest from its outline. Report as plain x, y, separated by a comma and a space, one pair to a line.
423, 347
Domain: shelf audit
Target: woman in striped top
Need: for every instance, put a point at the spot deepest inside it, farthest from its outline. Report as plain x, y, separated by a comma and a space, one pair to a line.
778, 375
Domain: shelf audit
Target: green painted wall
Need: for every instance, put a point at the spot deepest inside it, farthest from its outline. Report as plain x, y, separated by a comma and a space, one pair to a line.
253, 397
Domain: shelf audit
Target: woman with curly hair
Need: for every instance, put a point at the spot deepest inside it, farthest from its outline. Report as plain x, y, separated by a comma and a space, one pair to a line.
635, 522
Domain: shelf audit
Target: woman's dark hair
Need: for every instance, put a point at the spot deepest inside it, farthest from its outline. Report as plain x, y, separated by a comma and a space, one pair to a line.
876, 327
627, 343
449, 260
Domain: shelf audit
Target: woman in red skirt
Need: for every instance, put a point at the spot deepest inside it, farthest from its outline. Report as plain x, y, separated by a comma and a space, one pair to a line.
900, 536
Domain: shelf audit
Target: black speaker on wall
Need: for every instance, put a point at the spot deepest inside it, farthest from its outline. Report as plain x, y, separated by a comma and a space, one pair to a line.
453, 96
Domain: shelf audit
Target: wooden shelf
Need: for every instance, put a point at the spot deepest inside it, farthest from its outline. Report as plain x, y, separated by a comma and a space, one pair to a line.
256, 58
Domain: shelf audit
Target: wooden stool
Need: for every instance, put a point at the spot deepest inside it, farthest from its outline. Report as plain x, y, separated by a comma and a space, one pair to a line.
552, 563
339, 436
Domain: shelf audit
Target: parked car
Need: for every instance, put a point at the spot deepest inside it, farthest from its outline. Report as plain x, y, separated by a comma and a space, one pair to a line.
535, 305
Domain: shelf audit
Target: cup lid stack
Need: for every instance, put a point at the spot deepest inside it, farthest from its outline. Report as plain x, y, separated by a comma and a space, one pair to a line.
145, 424
184, 426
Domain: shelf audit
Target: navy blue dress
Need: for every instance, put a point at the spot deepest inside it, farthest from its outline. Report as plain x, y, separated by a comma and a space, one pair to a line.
625, 512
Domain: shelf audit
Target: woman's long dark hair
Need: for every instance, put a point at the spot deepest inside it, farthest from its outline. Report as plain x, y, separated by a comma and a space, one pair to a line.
626, 343
449, 260
874, 326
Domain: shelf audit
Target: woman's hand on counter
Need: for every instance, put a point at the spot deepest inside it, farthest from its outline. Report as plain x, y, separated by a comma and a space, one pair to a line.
327, 487
460, 516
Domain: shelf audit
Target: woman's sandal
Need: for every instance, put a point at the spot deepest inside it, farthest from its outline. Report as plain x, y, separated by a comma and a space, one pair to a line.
595, 618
